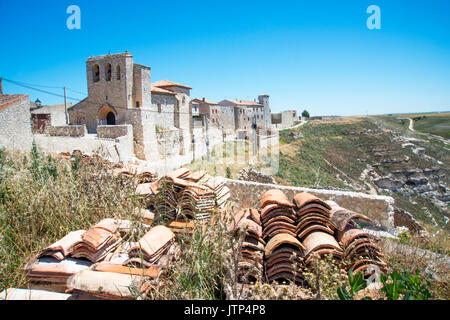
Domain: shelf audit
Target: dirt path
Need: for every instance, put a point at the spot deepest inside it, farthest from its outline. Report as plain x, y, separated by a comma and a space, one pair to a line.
411, 127
293, 127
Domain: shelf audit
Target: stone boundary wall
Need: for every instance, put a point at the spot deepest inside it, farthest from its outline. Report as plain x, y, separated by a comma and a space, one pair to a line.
15, 125
379, 208
67, 131
113, 132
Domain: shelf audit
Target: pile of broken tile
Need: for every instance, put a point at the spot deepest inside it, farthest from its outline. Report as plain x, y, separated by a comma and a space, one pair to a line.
100, 263
282, 238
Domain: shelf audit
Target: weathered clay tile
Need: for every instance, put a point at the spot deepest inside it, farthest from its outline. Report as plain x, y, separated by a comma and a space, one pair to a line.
63, 247
275, 196
303, 198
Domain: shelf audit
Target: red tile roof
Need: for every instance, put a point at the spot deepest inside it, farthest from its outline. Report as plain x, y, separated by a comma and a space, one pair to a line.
161, 90
167, 83
245, 103
206, 101
9, 99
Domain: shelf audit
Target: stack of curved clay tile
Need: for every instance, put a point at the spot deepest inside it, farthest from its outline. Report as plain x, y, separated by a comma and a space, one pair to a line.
150, 247
183, 194
98, 241
250, 265
313, 214
360, 247
283, 252
221, 192
147, 193
51, 273
314, 227
166, 199
277, 215
139, 174
284, 259
196, 202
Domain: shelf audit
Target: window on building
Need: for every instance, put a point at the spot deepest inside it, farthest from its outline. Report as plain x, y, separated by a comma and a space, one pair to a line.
184, 100
96, 72
138, 104
159, 107
118, 72
108, 72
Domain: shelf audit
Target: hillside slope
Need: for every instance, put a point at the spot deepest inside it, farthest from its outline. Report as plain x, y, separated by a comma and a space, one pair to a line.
377, 155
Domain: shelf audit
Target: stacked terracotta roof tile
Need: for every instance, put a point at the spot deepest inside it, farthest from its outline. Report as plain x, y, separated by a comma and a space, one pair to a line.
98, 241
283, 252
250, 265
295, 232
360, 247
284, 259
314, 227
138, 173
85, 260
185, 195
150, 247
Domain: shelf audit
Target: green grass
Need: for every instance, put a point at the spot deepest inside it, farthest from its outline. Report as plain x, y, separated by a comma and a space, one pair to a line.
438, 125
42, 199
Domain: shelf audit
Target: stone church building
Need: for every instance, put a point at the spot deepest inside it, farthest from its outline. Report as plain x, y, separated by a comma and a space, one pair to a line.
120, 93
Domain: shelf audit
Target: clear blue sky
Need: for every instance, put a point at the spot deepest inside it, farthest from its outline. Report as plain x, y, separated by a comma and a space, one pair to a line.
317, 55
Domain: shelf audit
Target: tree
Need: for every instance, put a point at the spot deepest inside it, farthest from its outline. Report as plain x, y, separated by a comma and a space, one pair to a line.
305, 114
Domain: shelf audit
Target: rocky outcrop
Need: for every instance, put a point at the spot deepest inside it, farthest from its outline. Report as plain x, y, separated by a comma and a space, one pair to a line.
250, 174
403, 218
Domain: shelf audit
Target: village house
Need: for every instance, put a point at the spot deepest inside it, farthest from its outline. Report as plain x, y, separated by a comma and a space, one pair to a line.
43, 116
127, 118
284, 119
250, 115
220, 117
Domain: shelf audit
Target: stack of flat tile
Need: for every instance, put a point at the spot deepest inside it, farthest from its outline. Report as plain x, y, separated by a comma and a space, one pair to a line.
150, 247
52, 274
284, 259
277, 215
63, 247
250, 265
313, 214
32, 294
196, 202
361, 250
106, 285
98, 241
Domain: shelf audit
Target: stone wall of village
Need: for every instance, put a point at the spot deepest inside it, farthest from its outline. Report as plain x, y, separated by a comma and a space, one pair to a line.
15, 125
163, 108
67, 131
379, 208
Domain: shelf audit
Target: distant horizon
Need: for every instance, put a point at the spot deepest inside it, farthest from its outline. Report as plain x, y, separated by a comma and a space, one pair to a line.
319, 56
